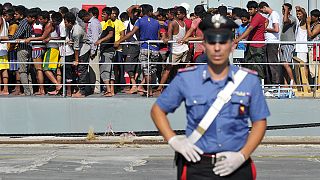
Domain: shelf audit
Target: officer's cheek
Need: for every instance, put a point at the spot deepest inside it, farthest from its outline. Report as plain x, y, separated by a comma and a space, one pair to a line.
239, 106
196, 107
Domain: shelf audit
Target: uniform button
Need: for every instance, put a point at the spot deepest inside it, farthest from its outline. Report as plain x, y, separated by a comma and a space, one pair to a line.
241, 101
220, 145
195, 102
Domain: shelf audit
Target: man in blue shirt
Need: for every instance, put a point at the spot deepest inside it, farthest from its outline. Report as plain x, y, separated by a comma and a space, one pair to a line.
224, 148
148, 29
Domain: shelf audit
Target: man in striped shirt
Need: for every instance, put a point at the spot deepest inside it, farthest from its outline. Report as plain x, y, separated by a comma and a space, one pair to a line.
23, 52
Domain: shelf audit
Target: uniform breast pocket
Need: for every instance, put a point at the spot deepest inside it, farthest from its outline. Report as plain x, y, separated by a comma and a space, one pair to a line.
196, 107
240, 106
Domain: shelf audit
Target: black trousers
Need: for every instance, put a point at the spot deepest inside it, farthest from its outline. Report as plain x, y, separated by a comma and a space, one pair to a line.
273, 71
83, 72
203, 170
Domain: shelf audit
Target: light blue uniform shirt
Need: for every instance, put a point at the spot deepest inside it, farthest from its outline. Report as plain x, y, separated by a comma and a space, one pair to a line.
230, 130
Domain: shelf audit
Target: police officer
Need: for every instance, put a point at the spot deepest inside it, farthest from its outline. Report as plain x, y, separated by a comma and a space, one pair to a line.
223, 145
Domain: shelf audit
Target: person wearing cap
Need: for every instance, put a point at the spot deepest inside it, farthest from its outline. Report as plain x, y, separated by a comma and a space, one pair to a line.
220, 100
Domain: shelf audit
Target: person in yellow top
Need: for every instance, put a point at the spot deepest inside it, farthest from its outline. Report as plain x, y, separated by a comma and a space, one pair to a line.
4, 66
119, 33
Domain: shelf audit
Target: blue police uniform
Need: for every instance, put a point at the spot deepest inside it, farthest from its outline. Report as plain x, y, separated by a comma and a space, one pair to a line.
230, 130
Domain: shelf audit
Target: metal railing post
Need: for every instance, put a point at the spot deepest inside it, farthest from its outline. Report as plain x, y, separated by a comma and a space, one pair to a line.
64, 70
148, 76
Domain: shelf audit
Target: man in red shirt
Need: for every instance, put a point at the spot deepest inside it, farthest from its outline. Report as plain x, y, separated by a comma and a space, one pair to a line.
255, 32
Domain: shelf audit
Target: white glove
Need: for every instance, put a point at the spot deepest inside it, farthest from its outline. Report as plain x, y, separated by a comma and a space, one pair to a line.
230, 161
186, 148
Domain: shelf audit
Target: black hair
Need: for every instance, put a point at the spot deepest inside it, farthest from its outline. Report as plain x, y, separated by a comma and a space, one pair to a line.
136, 11
315, 13
223, 10
124, 16
181, 9
107, 10
237, 11
288, 5
20, 10
9, 12
1, 10
57, 17
146, 9
263, 4
63, 10
45, 15
191, 14
6, 6
252, 4
116, 10
162, 12
70, 17
199, 11
172, 11
83, 13
33, 13
94, 11
245, 14
51, 12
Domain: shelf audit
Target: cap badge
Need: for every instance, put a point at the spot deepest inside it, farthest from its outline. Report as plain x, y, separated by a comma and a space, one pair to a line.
217, 20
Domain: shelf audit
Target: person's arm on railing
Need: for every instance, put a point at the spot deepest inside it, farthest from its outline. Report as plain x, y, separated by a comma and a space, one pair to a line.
106, 38
244, 35
127, 36
189, 33
46, 34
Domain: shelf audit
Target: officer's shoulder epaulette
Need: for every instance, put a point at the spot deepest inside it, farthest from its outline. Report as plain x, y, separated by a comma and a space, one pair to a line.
249, 70
191, 68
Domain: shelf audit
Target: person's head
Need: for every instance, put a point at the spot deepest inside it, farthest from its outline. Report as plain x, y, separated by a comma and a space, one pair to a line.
32, 15
69, 20
315, 15
63, 10
252, 7
171, 13
192, 16
162, 14
245, 17
106, 13
223, 10
199, 11
146, 9
264, 7
217, 32
6, 6
44, 17
301, 15
236, 13
114, 13
181, 12
94, 11
287, 5
19, 12
84, 15
56, 18
124, 16
1, 10
8, 15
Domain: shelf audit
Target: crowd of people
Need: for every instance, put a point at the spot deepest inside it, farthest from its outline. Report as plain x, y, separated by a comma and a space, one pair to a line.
94, 49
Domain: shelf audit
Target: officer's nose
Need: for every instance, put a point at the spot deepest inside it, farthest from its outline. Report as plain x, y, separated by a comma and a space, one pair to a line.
217, 46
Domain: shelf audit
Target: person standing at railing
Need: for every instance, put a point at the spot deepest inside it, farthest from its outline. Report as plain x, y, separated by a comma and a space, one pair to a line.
23, 53
272, 34
313, 28
119, 33
39, 33
132, 51
302, 35
200, 13
12, 48
81, 46
94, 30
288, 32
107, 52
179, 51
148, 30
4, 65
245, 18
255, 32
51, 58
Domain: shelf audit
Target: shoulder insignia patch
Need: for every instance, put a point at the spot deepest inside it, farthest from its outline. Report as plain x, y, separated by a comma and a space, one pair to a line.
191, 68
249, 70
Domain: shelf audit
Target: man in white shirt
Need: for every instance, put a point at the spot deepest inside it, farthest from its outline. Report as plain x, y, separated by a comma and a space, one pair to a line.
273, 74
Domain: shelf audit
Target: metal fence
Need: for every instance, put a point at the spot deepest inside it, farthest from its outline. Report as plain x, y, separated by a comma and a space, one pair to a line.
148, 85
